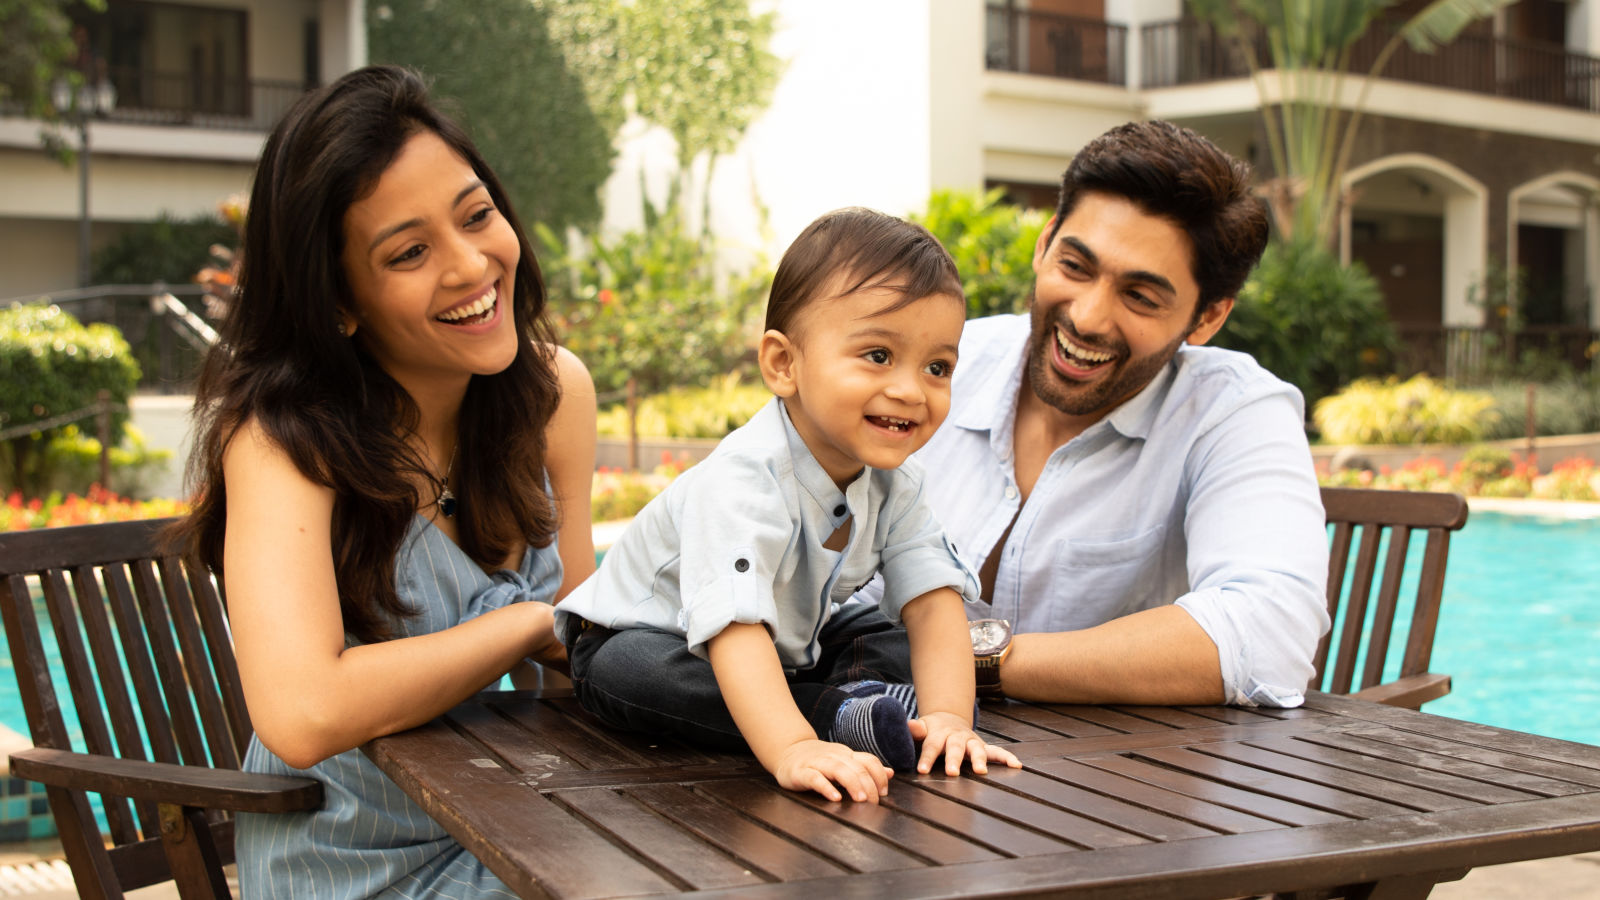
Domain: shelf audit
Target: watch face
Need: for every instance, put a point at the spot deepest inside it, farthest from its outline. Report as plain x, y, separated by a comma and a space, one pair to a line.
989, 636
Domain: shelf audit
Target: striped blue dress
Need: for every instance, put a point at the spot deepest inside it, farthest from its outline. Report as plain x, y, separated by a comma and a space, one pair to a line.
369, 839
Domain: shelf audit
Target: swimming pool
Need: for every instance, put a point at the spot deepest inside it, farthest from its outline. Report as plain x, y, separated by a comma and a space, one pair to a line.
1518, 629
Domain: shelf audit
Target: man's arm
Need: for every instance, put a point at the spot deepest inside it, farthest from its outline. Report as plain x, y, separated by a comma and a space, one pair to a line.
1157, 656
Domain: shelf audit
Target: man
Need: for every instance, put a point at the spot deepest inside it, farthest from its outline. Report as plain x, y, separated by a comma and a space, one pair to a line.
1142, 508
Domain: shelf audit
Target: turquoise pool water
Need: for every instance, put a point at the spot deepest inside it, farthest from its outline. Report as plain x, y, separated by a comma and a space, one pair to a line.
1518, 631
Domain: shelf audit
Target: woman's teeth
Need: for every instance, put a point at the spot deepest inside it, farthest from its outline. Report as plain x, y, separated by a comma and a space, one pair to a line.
481, 307
1079, 353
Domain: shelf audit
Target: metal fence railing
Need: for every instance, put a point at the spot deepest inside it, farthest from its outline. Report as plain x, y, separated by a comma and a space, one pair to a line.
1189, 51
163, 325
1040, 43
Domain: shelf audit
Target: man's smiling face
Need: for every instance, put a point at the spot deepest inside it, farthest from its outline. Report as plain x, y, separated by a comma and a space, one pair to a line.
1114, 298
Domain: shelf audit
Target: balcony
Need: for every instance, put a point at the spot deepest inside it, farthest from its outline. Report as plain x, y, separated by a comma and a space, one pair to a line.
1190, 52
1037, 43
147, 97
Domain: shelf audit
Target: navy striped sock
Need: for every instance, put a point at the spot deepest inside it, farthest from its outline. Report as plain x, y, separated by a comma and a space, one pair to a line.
906, 694
876, 725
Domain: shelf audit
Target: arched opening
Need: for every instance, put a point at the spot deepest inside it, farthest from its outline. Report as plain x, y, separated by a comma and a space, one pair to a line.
1553, 239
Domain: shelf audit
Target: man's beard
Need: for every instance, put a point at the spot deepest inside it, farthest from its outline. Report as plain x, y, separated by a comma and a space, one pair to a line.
1128, 375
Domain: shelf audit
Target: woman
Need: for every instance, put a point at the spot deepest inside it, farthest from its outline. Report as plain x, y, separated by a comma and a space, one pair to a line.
393, 454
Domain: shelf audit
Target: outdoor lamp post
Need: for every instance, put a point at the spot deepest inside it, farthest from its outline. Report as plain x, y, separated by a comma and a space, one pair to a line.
78, 107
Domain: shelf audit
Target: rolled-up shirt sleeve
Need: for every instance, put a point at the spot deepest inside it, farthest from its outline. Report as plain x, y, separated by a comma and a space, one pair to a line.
917, 557
1257, 551
736, 529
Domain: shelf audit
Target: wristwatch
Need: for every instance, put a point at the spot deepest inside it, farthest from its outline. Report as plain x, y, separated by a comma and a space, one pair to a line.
991, 641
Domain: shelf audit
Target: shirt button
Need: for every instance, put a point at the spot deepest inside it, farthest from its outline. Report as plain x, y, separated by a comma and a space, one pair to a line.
741, 565
840, 510
1011, 492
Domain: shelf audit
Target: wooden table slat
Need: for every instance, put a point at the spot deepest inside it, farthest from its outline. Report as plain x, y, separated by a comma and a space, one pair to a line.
1341, 750
930, 842
753, 844
1170, 716
1212, 792
991, 796
1058, 721
782, 811
1304, 793
1341, 778
451, 765
573, 737
1209, 815
667, 847
995, 833
1510, 761
1154, 823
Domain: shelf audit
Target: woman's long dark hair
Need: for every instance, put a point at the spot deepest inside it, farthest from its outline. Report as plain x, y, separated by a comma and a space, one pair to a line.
283, 363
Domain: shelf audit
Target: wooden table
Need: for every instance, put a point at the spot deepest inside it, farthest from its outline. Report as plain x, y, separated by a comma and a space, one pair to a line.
1120, 802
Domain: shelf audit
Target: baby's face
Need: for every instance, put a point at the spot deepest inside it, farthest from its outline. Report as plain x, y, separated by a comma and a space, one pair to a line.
871, 387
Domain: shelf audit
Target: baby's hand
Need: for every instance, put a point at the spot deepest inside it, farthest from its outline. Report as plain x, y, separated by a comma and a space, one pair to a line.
951, 734
815, 765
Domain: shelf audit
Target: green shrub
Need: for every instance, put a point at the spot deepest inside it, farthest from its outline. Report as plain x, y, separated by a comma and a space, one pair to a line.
52, 365
992, 243
169, 249
1419, 410
73, 461
648, 305
1568, 405
708, 412
1311, 321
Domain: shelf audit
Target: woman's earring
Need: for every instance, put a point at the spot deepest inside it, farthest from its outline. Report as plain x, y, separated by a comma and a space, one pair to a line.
343, 331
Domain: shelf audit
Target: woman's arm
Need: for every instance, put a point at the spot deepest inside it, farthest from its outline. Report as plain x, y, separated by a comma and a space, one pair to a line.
569, 458
310, 697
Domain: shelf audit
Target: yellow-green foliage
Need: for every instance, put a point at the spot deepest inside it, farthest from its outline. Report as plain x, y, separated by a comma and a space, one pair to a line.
1390, 411
708, 412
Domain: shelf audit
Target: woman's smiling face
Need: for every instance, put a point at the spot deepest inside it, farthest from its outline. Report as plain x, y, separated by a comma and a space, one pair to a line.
431, 265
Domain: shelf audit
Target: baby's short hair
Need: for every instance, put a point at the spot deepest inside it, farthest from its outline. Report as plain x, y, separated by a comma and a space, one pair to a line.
855, 249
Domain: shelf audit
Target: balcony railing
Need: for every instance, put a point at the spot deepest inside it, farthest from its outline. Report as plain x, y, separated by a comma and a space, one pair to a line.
1469, 353
149, 97
1190, 52
1038, 43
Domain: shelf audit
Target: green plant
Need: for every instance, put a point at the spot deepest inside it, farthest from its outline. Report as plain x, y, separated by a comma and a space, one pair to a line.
1309, 320
704, 412
648, 305
169, 249
1419, 410
616, 494
499, 67
992, 243
1566, 405
73, 461
1310, 127
51, 365
36, 50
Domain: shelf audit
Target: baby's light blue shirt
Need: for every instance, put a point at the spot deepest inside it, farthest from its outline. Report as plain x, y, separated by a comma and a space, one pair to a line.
738, 538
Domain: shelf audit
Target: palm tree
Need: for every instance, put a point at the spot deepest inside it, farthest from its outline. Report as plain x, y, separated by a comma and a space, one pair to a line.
1310, 129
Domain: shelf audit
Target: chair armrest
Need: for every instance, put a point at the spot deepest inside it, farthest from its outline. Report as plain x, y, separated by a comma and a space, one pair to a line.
1410, 692
157, 782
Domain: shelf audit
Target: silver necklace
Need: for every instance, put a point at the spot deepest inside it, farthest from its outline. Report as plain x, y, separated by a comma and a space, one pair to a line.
446, 500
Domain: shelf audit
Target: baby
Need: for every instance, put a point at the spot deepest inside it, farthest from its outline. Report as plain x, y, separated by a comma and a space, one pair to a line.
722, 615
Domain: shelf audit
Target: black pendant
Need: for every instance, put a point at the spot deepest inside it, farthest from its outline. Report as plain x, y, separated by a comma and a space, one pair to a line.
447, 503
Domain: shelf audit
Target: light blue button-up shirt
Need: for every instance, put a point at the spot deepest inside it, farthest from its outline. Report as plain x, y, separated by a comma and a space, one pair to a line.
738, 538
1198, 490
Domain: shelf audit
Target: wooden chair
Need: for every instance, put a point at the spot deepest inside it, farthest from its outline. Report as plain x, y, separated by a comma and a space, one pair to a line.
1400, 514
149, 670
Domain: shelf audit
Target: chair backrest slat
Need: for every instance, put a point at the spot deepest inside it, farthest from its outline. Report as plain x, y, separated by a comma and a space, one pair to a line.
141, 665
1370, 596
197, 663
1377, 650
219, 639
158, 628
118, 707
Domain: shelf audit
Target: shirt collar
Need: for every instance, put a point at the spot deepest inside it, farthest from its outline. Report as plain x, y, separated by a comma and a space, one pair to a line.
1136, 417
813, 479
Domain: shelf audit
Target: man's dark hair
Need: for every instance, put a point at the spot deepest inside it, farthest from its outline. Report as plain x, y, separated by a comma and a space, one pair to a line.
1172, 172
855, 249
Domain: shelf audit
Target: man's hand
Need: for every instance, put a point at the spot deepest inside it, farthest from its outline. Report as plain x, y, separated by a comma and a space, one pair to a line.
816, 765
950, 734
